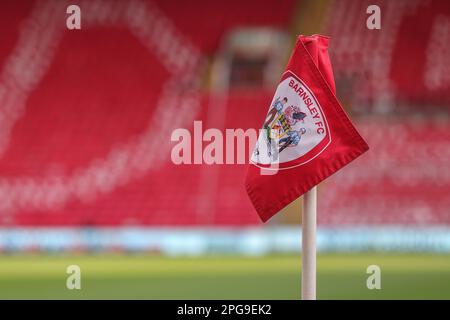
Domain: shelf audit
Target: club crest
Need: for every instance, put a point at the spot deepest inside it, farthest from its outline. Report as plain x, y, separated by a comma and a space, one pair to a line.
295, 129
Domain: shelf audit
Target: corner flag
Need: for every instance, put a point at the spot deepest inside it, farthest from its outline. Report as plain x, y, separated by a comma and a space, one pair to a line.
306, 136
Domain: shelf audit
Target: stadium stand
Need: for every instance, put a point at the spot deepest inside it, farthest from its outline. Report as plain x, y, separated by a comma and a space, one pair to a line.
85, 118
404, 63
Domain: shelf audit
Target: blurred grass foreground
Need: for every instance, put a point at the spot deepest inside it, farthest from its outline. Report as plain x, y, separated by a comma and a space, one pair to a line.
110, 276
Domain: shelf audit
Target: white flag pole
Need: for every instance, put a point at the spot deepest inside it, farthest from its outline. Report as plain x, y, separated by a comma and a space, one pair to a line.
309, 213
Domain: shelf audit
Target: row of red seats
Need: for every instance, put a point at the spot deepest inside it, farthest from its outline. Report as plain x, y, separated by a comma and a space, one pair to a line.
405, 61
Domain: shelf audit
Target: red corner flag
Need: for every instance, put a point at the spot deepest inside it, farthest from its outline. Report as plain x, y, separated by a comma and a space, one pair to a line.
306, 135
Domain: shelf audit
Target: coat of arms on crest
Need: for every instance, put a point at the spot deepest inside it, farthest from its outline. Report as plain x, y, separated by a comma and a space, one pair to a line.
295, 128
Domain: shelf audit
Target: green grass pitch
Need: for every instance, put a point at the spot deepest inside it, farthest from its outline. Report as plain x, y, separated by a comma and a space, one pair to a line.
339, 276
